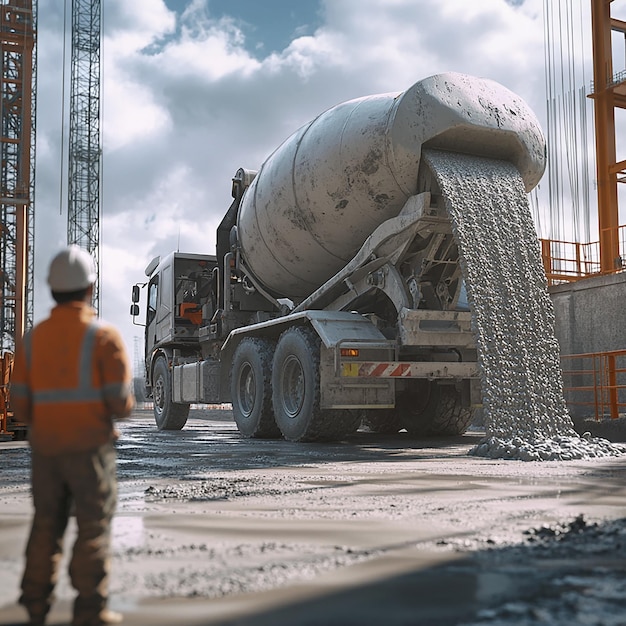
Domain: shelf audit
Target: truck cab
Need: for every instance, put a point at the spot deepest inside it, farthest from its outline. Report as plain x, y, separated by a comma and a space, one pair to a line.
181, 298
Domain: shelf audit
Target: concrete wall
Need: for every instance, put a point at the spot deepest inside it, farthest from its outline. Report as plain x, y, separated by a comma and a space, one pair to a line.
590, 317
591, 314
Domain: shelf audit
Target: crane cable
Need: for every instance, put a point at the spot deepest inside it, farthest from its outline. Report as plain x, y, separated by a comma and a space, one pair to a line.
63, 90
568, 139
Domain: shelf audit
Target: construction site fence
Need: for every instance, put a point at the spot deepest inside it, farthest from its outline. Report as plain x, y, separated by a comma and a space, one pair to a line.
594, 384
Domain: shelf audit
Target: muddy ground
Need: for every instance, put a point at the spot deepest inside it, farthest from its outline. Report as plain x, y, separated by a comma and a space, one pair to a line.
213, 529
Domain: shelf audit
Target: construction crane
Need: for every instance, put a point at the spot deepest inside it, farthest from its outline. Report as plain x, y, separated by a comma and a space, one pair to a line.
17, 148
18, 20
563, 260
85, 153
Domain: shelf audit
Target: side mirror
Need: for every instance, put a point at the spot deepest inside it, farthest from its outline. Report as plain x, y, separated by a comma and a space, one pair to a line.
134, 310
135, 295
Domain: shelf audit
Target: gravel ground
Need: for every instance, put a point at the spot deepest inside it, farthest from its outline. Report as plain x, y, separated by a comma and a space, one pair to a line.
215, 529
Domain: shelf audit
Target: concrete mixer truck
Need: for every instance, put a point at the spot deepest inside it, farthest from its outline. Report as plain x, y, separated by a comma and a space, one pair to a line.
333, 296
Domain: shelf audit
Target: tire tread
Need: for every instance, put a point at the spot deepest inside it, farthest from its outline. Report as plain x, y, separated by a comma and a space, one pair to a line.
175, 414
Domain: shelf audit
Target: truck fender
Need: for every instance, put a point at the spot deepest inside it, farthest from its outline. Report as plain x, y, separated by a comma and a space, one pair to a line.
167, 354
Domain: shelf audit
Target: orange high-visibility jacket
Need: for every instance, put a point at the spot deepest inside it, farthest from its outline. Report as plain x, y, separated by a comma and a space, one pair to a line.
69, 372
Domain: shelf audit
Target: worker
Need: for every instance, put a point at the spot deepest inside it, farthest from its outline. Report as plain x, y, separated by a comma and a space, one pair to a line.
71, 380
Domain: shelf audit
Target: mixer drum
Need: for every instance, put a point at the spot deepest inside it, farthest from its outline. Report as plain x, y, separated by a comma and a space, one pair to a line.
332, 183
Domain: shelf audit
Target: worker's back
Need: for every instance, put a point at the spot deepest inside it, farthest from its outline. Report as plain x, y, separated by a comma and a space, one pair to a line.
70, 363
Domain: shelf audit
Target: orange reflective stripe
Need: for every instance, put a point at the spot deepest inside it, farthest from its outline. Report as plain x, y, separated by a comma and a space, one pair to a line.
116, 390
19, 390
26, 343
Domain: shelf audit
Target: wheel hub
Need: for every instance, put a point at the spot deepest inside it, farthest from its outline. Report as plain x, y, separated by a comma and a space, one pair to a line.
247, 389
293, 386
159, 394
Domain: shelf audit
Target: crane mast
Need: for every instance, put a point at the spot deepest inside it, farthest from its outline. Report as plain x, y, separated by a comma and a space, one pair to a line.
85, 153
17, 149
18, 20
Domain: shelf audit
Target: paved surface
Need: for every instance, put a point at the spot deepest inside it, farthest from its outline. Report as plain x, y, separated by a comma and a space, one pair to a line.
215, 529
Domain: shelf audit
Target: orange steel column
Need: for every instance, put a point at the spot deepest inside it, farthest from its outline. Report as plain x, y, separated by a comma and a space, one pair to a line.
21, 244
605, 135
546, 257
23, 183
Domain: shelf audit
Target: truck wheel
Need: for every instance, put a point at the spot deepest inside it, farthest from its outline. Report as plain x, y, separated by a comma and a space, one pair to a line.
167, 414
434, 410
296, 392
251, 389
384, 421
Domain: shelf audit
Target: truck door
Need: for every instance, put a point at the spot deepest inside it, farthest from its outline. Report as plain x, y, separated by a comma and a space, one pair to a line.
159, 310
163, 319
151, 311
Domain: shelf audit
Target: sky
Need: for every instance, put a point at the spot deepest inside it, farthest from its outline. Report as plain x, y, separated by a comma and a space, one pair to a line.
195, 89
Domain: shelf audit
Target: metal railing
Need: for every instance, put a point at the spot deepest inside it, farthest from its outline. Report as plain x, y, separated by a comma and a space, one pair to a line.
595, 380
569, 261
612, 81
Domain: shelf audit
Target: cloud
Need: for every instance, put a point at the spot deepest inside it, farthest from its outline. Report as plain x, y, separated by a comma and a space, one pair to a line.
186, 104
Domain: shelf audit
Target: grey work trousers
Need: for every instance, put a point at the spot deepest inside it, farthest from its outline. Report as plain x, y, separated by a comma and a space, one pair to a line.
85, 482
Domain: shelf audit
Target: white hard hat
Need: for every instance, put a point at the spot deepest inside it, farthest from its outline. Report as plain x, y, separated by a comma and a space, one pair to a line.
72, 269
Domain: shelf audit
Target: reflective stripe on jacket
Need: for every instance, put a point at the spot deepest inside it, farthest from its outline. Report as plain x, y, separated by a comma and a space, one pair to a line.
68, 367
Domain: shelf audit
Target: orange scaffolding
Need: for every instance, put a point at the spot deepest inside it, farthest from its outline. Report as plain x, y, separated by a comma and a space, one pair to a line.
17, 144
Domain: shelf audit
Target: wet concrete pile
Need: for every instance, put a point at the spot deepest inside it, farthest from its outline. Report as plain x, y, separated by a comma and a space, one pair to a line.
526, 416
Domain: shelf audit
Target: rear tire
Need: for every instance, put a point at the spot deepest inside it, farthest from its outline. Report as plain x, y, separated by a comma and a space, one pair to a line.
296, 391
251, 389
167, 414
434, 410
